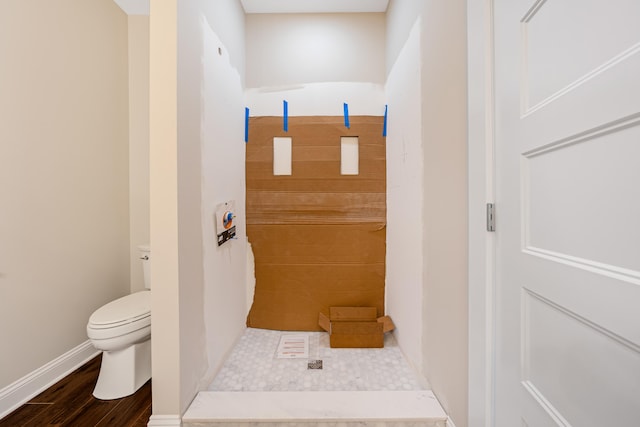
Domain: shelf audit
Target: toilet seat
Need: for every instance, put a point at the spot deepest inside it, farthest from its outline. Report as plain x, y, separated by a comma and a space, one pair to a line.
121, 317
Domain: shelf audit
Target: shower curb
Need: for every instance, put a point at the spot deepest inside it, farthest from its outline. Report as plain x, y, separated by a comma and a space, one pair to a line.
418, 408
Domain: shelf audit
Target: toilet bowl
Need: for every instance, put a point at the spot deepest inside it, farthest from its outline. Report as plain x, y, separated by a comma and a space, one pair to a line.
121, 329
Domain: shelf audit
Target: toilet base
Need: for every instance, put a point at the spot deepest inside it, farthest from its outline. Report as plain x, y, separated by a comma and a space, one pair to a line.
124, 371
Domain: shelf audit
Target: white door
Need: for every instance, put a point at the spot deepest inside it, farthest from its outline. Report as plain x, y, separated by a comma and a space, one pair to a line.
567, 79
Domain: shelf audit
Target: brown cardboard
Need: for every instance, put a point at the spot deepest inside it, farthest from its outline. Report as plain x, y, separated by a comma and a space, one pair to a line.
354, 327
387, 324
356, 335
324, 321
318, 237
352, 314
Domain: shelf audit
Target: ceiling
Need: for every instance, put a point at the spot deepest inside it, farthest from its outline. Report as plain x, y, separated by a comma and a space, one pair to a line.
314, 6
141, 7
134, 7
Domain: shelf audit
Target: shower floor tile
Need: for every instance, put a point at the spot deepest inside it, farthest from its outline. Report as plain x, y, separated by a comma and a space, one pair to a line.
253, 366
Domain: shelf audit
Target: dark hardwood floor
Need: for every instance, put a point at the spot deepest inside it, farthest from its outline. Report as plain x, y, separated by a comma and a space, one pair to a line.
69, 402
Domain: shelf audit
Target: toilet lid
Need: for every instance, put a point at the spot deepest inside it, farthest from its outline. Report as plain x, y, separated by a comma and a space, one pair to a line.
123, 310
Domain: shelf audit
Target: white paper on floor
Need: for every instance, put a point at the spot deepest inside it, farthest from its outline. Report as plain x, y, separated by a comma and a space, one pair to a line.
293, 346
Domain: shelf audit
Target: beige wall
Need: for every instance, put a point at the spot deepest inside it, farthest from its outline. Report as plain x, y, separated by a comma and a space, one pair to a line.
138, 143
64, 220
165, 346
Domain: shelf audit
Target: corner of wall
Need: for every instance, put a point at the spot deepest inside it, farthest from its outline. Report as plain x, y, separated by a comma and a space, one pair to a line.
138, 44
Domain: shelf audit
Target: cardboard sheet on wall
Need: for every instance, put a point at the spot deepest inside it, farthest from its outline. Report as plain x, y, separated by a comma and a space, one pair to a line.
318, 237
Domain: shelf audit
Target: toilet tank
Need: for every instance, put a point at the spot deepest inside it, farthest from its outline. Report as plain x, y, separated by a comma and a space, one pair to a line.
145, 257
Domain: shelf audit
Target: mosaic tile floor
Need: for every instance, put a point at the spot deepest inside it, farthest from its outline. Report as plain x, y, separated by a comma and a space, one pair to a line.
253, 366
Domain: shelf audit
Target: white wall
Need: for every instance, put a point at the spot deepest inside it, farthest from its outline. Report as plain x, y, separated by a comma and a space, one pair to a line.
444, 121
318, 99
64, 221
138, 26
401, 17
443, 355
227, 19
193, 350
405, 199
223, 179
290, 49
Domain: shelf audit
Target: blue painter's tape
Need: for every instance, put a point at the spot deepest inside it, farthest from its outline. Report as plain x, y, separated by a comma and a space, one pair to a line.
346, 115
285, 116
384, 127
246, 124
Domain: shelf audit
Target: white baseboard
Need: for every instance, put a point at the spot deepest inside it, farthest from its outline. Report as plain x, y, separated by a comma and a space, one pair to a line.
19, 392
165, 421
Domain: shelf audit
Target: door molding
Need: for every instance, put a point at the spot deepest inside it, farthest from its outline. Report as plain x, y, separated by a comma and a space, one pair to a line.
481, 187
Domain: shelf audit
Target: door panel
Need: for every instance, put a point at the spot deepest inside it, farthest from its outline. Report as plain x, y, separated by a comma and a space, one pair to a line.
568, 213
560, 364
563, 43
570, 208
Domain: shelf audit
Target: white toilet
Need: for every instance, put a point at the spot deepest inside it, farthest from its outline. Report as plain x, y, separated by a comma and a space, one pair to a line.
122, 330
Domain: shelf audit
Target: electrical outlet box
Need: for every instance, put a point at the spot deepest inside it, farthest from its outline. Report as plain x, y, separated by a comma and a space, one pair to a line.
225, 222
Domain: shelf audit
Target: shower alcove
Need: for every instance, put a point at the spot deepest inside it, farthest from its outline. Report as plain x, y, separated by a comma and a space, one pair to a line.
233, 62
318, 239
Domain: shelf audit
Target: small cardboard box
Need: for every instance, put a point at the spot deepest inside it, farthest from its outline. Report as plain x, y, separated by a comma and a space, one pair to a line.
355, 327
